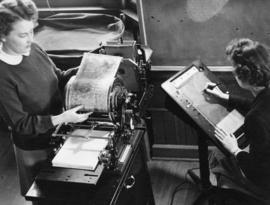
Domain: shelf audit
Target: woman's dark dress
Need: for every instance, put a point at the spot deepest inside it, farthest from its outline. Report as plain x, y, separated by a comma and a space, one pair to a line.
255, 165
29, 95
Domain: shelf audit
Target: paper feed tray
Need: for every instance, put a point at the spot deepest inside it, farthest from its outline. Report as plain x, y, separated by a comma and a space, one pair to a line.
80, 153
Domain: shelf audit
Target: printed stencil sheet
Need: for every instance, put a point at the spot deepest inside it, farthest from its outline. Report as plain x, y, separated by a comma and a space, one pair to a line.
91, 86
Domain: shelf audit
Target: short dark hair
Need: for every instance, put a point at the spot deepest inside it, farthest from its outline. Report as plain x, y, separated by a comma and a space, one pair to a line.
251, 61
12, 11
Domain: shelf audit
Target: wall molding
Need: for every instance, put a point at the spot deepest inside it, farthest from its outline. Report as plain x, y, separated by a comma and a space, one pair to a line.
173, 151
179, 68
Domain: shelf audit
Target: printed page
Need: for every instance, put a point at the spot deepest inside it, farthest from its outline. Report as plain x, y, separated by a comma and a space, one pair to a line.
77, 159
93, 81
79, 153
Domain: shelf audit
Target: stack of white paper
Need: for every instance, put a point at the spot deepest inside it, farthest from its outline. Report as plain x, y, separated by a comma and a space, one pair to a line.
79, 153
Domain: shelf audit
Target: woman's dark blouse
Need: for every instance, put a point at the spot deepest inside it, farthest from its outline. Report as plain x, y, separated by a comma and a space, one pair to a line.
30, 94
256, 163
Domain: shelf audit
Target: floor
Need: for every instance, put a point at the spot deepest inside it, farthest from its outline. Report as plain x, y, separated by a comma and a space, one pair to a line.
170, 176
165, 176
9, 184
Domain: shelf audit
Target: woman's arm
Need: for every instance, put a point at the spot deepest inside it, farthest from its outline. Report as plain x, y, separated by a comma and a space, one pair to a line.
258, 155
62, 76
258, 135
234, 101
27, 124
17, 118
238, 102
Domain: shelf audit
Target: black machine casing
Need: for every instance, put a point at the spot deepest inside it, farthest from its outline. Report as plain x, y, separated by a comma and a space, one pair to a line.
122, 168
131, 186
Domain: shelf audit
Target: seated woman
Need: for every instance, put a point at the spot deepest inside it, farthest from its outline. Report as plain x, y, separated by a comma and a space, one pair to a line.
251, 62
31, 103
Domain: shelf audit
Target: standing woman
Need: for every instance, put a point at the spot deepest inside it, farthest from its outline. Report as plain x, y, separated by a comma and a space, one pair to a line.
251, 62
30, 99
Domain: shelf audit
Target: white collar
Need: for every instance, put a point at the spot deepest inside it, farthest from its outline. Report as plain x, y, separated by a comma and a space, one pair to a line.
11, 59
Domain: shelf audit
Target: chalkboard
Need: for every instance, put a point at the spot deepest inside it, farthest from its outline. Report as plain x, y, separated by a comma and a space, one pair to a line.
180, 31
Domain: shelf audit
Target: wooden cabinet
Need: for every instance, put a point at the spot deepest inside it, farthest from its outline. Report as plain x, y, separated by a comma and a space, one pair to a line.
136, 188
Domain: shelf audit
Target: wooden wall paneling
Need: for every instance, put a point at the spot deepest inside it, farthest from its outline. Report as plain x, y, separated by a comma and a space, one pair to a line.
170, 128
178, 129
173, 129
157, 124
172, 151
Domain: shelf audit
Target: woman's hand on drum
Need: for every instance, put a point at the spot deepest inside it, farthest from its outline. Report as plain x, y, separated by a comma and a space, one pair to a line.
71, 116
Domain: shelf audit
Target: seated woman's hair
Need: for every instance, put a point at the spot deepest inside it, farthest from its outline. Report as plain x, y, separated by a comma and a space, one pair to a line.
12, 11
251, 61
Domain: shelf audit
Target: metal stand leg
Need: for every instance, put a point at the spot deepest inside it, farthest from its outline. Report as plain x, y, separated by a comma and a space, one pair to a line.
204, 164
208, 191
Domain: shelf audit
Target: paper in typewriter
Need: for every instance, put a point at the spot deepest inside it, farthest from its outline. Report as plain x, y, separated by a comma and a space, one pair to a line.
79, 153
92, 84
